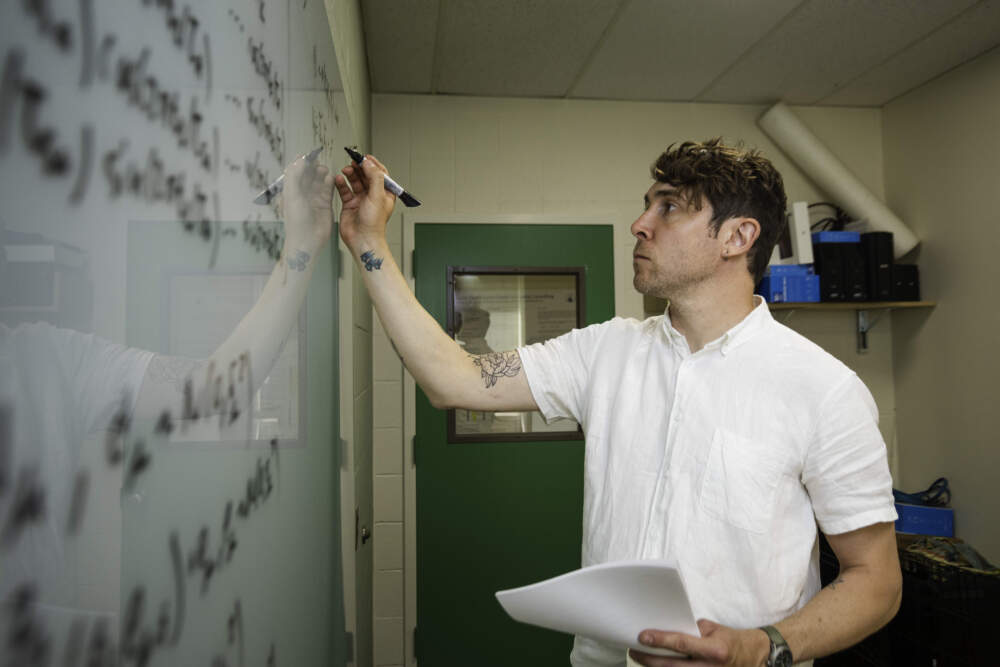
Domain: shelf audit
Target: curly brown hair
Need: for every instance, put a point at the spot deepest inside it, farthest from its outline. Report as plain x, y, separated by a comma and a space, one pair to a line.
736, 182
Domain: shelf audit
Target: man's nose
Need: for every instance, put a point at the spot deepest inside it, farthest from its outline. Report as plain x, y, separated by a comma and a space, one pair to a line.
641, 228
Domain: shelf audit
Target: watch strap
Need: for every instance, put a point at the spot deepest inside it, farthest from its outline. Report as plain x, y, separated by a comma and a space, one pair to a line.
778, 645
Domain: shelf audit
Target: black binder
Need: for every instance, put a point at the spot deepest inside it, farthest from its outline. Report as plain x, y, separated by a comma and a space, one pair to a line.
877, 247
828, 261
905, 282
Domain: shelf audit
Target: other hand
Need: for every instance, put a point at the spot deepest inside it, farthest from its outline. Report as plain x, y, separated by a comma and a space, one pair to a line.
718, 645
367, 204
307, 205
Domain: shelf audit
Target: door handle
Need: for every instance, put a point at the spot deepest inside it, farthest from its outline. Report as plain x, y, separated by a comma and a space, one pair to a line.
365, 534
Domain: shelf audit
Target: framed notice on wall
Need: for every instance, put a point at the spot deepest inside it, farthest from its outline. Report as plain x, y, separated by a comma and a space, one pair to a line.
492, 310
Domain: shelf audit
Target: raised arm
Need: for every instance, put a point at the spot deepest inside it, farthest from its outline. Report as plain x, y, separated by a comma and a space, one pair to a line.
249, 352
448, 375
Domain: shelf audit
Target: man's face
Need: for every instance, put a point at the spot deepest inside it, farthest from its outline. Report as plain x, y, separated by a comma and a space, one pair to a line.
675, 248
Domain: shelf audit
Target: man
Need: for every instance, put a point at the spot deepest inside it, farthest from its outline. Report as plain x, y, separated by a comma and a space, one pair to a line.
750, 433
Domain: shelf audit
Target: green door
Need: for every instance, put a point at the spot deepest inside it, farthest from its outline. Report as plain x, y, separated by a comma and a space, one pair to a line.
496, 515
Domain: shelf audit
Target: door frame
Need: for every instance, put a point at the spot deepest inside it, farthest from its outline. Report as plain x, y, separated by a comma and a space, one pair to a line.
409, 222
345, 441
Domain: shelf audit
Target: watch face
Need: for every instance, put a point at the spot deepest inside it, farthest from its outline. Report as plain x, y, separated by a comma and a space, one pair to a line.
781, 657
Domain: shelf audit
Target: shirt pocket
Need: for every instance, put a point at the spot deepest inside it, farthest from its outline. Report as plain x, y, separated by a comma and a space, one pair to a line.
740, 484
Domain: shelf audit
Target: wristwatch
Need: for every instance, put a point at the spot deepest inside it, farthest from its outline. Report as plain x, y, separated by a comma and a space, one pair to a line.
780, 655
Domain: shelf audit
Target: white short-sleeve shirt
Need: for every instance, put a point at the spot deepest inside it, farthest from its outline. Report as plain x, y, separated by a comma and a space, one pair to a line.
722, 461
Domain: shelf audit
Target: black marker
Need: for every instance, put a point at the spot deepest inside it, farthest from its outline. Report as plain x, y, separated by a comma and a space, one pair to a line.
390, 185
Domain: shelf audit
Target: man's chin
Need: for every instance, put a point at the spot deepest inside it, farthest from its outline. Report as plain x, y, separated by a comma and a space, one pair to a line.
646, 288
642, 285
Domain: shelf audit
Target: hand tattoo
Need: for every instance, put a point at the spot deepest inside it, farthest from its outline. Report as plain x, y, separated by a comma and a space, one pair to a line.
372, 263
298, 261
496, 365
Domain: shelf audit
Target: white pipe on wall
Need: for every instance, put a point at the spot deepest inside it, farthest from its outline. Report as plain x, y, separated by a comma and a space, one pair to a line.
832, 176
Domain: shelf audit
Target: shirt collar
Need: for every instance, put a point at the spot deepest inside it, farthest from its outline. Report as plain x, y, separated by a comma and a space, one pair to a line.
743, 331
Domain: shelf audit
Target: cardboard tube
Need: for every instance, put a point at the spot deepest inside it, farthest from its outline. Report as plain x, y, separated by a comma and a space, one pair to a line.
832, 176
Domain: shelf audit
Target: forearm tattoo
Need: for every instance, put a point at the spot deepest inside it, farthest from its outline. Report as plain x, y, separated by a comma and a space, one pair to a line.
496, 365
372, 263
298, 261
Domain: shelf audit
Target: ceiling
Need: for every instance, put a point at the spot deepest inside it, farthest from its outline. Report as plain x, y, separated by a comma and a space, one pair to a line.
824, 52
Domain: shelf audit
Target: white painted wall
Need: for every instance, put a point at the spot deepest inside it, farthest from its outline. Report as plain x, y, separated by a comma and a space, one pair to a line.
941, 147
344, 17
352, 63
488, 157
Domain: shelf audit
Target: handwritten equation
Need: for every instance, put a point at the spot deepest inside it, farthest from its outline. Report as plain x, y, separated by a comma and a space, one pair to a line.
123, 172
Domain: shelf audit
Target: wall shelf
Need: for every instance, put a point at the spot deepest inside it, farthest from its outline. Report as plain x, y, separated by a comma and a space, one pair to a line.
864, 322
851, 305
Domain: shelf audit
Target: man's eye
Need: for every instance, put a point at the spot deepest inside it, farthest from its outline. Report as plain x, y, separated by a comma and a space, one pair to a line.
668, 207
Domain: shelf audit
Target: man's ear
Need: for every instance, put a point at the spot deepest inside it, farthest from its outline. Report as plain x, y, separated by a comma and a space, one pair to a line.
740, 236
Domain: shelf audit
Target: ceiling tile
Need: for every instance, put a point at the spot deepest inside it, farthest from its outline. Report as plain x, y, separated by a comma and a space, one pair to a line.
973, 32
673, 49
528, 48
399, 38
823, 45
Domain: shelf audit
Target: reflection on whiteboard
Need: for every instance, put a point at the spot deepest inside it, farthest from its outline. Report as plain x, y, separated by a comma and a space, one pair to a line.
202, 310
133, 139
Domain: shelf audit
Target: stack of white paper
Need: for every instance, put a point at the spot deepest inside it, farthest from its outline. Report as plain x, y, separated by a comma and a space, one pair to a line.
611, 602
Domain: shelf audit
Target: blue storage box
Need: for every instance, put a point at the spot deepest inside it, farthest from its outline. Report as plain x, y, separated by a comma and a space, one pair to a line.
924, 520
790, 283
789, 269
836, 237
804, 289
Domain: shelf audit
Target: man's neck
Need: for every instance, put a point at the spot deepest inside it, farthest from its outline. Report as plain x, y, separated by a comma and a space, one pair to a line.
703, 314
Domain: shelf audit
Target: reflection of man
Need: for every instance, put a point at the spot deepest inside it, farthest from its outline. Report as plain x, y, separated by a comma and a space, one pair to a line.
58, 386
474, 323
307, 214
750, 434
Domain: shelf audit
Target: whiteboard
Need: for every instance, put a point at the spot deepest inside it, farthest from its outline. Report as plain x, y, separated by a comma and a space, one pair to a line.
134, 135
